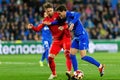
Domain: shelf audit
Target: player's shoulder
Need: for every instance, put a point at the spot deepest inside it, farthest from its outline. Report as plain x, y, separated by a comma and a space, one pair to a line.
69, 13
72, 12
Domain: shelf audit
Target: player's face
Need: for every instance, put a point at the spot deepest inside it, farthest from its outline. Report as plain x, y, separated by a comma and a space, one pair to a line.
62, 14
49, 11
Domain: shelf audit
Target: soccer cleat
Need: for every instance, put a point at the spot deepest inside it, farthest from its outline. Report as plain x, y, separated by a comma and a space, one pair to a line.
68, 74
41, 63
52, 77
101, 70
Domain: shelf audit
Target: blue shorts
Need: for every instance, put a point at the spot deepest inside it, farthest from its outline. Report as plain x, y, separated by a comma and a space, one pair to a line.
80, 42
46, 44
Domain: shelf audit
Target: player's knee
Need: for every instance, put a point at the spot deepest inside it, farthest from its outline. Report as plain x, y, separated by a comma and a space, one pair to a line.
73, 51
83, 53
50, 59
67, 53
52, 55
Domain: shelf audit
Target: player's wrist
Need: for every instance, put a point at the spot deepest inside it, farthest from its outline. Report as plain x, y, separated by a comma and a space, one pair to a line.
71, 24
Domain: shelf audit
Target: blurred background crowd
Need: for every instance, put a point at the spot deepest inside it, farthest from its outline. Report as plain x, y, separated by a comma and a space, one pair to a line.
101, 18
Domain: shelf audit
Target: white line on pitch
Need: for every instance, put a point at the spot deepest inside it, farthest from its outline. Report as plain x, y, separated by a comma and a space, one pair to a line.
32, 63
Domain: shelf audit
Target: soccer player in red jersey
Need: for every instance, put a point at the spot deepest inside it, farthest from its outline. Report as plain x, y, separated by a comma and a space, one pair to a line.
61, 38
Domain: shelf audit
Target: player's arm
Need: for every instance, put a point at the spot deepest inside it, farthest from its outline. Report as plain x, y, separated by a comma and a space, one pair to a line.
37, 28
76, 17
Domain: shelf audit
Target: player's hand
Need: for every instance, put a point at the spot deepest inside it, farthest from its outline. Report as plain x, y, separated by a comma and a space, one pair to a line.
60, 28
71, 27
47, 23
29, 26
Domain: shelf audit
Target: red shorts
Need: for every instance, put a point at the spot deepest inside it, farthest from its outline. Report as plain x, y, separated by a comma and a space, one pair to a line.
57, 45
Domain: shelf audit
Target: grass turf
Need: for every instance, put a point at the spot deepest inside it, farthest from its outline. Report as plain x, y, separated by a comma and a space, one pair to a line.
26, 67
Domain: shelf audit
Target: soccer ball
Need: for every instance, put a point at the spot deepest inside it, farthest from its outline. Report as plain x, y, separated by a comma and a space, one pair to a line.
78, 75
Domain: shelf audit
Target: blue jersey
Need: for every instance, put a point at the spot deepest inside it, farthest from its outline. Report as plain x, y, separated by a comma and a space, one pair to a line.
74, 17
46, 34
80, 40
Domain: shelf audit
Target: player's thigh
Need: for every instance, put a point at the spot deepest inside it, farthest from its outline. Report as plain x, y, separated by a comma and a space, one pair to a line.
66, 44
55, 48
83, 45
74, 46
83, 42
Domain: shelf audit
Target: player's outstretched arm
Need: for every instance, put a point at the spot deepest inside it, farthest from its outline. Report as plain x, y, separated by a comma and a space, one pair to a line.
37, 28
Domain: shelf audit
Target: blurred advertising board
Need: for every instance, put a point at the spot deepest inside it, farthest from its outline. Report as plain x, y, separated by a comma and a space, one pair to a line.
104, 45
35, 47
20, 47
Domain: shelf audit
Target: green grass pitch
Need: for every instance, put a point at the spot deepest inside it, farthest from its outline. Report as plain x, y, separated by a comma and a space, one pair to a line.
26, 67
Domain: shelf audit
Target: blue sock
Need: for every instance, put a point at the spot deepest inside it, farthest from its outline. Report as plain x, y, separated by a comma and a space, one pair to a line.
47, 51
43, 56
91, 60
74, 62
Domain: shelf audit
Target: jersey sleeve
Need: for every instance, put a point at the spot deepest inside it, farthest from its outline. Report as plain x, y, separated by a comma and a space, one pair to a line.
38, 28
58, 22
55, 22
76, 16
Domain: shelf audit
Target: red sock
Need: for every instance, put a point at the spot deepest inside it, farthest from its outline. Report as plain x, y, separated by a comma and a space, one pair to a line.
52, 65
68, 61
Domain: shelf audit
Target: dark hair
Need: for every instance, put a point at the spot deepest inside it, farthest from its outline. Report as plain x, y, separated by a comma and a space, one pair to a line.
61, 8
47, 5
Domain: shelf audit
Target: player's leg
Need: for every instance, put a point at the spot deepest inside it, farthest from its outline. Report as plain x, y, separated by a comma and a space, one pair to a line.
42, 59
45, 43
92, 61
66, 47
54, 50
47, 46
45, 54
83, 46
73, 51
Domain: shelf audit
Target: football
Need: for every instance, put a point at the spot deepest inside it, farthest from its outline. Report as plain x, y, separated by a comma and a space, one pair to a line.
78, 75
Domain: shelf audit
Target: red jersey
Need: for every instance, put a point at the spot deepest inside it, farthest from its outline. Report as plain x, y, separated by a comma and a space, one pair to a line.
56, 31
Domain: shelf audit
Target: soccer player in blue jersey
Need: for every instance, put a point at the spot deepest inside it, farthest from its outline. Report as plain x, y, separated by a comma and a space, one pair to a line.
46, 41
80, 41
